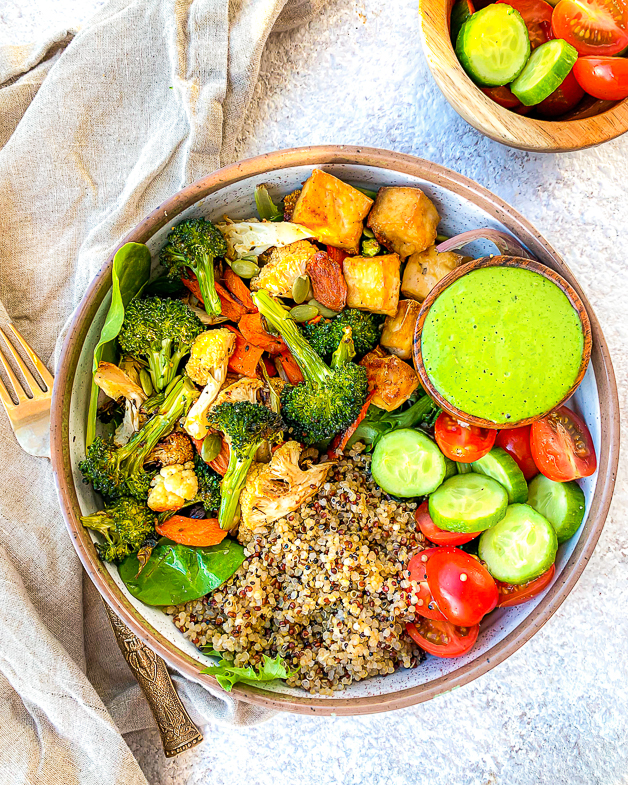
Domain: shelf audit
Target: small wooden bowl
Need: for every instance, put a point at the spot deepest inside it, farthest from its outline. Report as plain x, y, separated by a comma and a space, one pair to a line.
499, 261
503, 125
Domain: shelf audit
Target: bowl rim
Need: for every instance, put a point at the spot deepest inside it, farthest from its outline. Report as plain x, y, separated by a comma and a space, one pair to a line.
312, 156
493, 120
482, 263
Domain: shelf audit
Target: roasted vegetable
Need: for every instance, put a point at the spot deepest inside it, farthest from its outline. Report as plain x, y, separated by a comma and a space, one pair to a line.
325, 334
254, 237
398, 332
289, 202
116, 383
207, 366
392, 380
328, 283
175, 448
277, 488
403, 220
116, 472
124, 525
373, 283
174, 486
160, 332
284, 266
425, 269
245, 427
198, 532
194, 245
208, 485
329, 399
378, 422
332, 210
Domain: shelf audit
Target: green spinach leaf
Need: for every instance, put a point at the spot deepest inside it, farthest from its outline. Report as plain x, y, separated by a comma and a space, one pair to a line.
130, 273
227, 674
179, 573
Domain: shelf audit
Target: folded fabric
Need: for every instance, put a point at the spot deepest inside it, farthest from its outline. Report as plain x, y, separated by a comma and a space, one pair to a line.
96, 129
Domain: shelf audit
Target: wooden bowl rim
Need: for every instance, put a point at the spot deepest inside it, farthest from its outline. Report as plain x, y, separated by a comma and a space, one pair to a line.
60, 428
491, 119
499, 261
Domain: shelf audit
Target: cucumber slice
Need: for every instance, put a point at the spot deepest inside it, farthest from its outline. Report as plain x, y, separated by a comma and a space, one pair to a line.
503, 468
562, 503
493, 46
464, 468
545, 71
451, 468
407, 463
468, 503
520, 547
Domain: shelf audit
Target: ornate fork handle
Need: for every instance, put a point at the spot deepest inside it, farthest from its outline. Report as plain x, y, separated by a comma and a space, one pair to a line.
178, 732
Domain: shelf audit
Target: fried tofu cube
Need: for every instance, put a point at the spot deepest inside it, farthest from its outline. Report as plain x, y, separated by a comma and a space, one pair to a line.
398, 332
424, 270
284, 266
332, 210
392, 380
403, 220
373, 283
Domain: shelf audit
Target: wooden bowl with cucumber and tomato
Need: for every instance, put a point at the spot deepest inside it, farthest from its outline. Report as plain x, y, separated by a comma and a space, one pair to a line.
536, 75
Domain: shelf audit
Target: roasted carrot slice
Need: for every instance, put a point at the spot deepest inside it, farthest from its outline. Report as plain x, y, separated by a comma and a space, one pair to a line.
340, 440
231, 308
252, 328
290, 367
239, 290
245, 356
192, 531
270, 366
337, 254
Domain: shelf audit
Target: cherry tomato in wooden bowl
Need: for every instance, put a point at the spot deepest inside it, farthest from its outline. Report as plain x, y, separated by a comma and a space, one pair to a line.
511, 594
502, 96
593, 27
562, 446
565, 98
439, 536
603, 77
426, 606
460, 441
537, 15
463, 588
443, 639
516, 442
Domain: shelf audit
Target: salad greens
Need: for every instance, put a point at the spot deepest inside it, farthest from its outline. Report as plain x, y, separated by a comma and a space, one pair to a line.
178, 573
227, 674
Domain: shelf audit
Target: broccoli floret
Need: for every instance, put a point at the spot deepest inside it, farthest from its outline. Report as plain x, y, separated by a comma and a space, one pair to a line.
245, 426
194, 245
119, 471
160, 332
329, 399
326, 334
379, 422
124, 524
208, 485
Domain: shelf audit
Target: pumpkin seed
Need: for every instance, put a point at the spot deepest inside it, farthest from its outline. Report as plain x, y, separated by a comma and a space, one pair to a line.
212, 445
301, 289
245, 268
368, 233
303, 313
146, 383
327, 312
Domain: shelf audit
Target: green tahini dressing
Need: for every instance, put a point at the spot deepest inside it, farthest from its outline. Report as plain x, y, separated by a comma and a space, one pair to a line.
502, 343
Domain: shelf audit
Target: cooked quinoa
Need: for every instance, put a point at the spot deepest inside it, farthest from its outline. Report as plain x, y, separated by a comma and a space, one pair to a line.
324, 587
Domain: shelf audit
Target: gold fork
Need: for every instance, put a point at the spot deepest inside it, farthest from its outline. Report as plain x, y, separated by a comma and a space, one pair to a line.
30, 420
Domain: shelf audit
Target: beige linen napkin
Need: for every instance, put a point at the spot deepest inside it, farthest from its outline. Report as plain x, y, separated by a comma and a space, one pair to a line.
96, 129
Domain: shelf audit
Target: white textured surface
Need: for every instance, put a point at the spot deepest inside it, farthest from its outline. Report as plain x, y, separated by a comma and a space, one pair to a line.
556, 712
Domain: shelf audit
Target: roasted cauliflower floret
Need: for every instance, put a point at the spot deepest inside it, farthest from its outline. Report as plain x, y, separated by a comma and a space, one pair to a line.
289, 203
392, 380
332, 210
173, 487
276, 489
117, 383
175, 448
403, 220
244, 389
284, 266
207, 365
398, 333
424, 270
373, 283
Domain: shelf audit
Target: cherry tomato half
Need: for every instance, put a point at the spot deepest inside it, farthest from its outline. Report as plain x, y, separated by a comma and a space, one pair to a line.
594, 27
603, 77
565, 98
441, 638
460, 441
425, 606
511, 595
463, 588
516, 442
502, 96
436, 535
562, 446
537, 14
